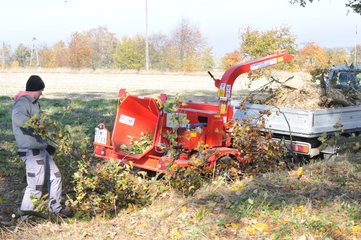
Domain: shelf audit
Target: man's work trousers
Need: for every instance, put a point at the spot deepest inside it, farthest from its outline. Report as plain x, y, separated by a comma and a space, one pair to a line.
40, 167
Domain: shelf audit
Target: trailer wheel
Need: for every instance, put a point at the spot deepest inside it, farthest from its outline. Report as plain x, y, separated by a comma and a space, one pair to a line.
227, 167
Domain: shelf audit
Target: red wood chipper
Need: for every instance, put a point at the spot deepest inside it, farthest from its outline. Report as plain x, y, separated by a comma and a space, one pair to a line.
205, 123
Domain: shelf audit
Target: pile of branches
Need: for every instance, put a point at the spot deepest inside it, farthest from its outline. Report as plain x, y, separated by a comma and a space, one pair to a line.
341, 97
310, 96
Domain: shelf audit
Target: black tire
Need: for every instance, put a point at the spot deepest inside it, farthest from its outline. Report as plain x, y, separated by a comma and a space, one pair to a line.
226, 167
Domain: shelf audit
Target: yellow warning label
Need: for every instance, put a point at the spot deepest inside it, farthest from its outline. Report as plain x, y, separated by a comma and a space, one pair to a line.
280, 59
223, 108
193, 134
221, 90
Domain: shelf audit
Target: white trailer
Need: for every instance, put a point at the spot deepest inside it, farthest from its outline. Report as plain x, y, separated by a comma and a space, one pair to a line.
305, 127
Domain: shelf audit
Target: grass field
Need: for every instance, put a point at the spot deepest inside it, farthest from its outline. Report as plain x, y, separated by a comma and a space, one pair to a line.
321, 203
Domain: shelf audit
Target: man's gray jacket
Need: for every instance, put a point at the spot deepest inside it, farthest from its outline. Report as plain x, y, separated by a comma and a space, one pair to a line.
24, 108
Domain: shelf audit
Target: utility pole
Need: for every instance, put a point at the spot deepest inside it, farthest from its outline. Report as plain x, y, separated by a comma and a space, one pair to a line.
356, 47
146, 38
34, 54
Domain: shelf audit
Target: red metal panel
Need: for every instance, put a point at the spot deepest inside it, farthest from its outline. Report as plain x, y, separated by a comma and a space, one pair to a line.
191, 139
215, 135
135, 115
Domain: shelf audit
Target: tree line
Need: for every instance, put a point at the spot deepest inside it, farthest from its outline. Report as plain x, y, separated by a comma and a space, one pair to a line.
185, 49
311, 56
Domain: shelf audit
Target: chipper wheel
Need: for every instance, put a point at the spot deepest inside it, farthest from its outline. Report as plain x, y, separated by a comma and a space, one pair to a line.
227, 167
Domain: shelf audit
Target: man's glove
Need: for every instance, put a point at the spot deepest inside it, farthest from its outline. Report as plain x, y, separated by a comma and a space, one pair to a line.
50, 149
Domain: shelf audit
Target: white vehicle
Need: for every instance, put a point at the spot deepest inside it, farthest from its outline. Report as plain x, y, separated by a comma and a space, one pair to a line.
344, 76
305, 127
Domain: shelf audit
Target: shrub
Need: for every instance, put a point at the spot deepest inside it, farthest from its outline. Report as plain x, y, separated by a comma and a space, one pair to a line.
106, 186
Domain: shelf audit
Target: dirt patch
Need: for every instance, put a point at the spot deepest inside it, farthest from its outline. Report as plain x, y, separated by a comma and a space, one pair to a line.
86, 85
68, 85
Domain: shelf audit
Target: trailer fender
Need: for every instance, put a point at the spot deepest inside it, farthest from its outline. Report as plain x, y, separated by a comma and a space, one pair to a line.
220, 152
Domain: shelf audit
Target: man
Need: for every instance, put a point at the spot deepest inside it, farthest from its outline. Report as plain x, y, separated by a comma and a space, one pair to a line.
34, 151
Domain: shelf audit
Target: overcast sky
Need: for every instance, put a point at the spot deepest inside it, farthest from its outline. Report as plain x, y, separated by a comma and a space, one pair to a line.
327, 22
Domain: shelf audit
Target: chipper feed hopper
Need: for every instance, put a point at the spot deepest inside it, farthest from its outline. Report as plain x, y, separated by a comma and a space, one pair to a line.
149, 136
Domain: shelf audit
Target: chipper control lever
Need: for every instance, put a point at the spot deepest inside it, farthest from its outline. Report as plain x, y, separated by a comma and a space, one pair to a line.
210, 74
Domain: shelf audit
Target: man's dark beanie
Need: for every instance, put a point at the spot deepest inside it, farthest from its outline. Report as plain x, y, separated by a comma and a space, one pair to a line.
34, 83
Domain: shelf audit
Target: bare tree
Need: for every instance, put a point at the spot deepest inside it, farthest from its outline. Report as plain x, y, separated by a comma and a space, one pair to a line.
103, 44
191, 47
188, 41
